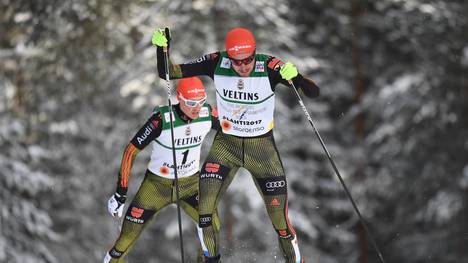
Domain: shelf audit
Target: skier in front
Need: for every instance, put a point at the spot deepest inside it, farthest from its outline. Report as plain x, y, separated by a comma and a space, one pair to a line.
192, 119
245, 83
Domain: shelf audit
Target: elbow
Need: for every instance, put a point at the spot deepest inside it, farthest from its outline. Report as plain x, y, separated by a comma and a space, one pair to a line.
310, 89
315, 92
311, 92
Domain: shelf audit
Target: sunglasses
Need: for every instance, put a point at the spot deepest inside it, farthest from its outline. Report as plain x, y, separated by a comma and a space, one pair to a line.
246, 61
193, 103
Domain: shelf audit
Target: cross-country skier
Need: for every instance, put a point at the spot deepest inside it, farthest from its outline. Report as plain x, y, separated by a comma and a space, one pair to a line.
245, 83
193, 119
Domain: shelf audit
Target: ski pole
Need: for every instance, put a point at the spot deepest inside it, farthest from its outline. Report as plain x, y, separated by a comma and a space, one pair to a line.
301, 103
176, 178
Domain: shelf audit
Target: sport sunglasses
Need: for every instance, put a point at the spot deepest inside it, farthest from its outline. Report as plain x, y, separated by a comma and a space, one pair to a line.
246, 61
193, 103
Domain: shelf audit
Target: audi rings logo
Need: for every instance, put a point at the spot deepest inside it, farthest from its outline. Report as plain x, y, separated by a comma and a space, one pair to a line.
276, 184
205, 219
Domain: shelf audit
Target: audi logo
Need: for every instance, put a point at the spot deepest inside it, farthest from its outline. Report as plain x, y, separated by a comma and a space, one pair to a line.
205, 219
276, 184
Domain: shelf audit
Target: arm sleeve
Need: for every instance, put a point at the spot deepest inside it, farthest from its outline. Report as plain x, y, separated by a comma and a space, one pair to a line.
174, 69
145, 135
148, 132
214, 118
203, 66
126, 165
306, 85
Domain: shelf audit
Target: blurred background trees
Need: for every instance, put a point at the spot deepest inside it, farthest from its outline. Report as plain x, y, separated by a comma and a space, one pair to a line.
78, 77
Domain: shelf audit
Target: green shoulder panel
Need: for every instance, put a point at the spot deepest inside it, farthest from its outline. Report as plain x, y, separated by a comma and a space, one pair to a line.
166, 124
178, 121
262, 57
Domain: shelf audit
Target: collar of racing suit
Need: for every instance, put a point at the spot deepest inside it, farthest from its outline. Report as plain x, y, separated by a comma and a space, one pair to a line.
181, 114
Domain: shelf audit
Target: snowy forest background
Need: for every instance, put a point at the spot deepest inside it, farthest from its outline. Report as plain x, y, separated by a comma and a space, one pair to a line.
77, 78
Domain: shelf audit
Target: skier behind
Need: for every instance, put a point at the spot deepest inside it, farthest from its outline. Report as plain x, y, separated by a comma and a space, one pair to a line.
192, 119
245, 83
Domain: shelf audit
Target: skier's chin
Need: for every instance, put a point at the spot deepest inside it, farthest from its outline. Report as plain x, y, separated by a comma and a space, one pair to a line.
193, 115
244, 74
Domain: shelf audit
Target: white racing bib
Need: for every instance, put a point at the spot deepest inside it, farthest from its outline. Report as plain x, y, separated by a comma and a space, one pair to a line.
188, 138
245, 104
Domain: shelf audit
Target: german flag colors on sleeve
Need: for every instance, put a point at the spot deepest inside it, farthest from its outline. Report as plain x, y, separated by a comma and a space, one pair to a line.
125, 167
